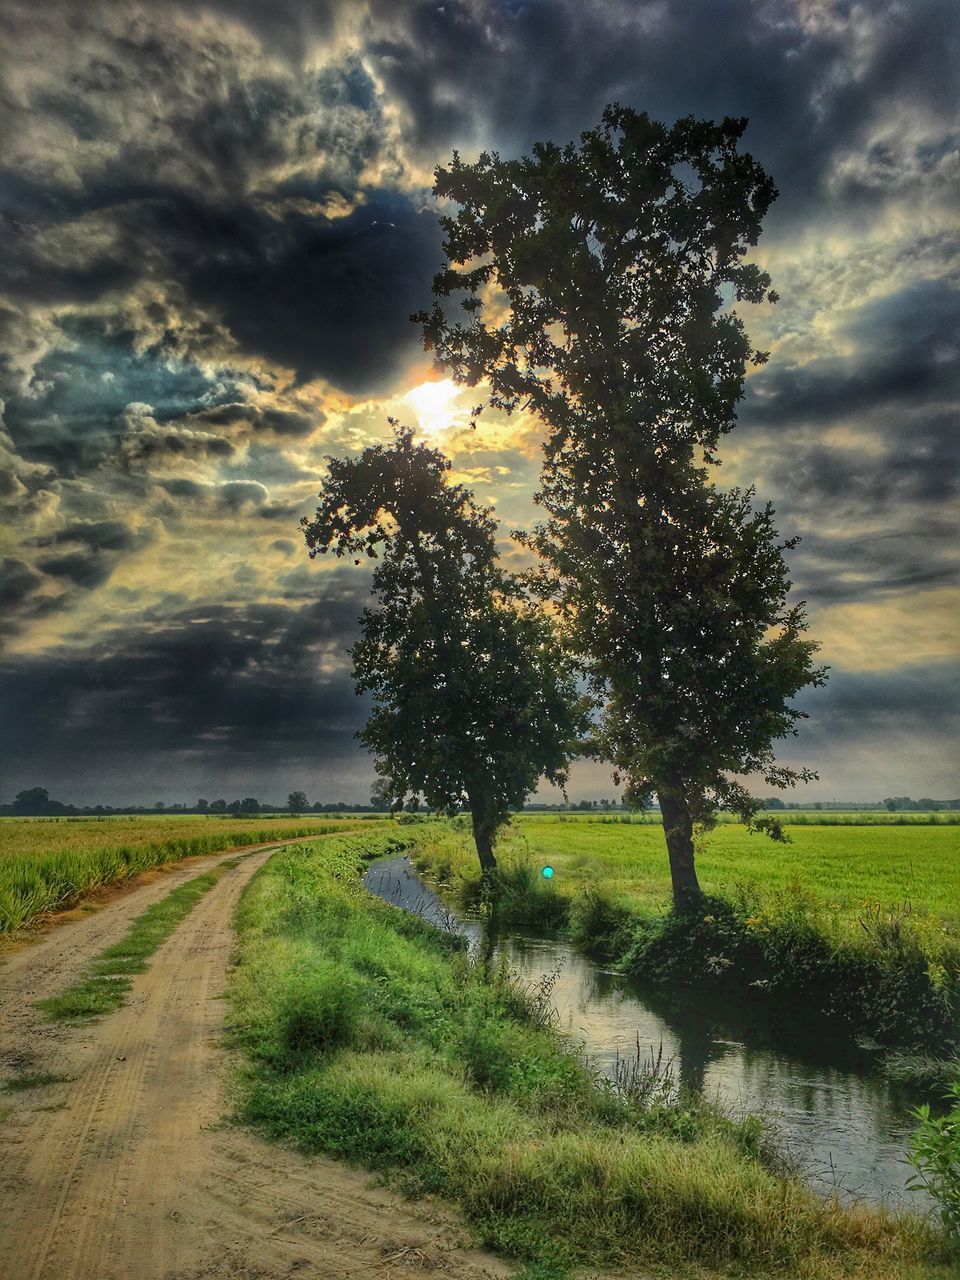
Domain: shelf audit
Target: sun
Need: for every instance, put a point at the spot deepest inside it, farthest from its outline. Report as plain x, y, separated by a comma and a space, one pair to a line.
434, 403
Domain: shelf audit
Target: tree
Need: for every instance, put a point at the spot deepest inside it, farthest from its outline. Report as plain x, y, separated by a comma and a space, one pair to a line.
218, 806
380, 797
297, 802
473, 697
249, 805
33, 800
607, 266
203, 805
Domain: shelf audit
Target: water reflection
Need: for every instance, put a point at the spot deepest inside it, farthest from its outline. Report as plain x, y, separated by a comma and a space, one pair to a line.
847, 1127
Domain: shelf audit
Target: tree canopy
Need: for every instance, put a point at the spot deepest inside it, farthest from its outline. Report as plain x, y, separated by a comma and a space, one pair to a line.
473, 698
605, 270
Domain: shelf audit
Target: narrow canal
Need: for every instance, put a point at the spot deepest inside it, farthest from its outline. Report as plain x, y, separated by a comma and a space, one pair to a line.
847, 1126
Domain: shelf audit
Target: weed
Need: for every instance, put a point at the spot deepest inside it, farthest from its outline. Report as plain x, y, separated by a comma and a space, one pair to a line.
33, 1080
936, 1157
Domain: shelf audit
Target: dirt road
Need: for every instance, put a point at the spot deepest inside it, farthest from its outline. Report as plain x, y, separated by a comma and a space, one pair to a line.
127, 1171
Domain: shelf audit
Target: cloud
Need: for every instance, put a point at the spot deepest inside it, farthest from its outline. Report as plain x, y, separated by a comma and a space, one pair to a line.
216, 222
262, 688
259, 421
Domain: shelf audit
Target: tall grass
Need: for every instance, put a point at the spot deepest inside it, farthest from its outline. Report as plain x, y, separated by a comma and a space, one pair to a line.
44, 876
372, 1037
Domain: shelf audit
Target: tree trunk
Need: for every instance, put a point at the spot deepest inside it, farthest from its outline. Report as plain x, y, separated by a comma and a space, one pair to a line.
482, 833
678, 830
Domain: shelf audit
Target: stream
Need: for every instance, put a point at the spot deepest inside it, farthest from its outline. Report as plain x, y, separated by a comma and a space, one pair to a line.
847, 1126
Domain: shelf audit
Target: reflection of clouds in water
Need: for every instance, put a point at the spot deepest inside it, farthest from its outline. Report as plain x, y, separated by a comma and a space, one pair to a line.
848, 1130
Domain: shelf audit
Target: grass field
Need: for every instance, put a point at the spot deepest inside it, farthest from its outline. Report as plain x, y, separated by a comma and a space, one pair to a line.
789, 817
374, 1038
844, 866
49, 865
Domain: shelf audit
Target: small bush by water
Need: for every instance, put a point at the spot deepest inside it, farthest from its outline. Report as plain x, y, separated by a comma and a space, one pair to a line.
371, 1036
936, 1158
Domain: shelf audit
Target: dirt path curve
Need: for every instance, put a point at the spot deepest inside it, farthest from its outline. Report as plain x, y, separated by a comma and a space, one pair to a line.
126, 1171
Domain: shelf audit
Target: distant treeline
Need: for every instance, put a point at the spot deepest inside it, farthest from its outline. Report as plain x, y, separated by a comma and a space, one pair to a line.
35, 802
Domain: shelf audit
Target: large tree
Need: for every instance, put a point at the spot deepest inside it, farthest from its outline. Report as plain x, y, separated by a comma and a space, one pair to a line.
605, 270
473, 699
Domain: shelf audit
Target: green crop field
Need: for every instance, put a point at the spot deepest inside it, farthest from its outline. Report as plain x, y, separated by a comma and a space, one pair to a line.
788, 817
844, 866
49, 864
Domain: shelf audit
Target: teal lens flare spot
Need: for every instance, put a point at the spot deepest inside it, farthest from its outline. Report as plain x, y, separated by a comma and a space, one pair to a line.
547, 873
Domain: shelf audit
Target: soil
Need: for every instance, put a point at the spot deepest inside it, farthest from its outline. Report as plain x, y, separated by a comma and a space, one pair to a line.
127, 1170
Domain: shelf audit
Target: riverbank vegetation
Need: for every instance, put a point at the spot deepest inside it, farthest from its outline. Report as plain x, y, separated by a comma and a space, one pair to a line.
825, 926
370, 1036
49, 865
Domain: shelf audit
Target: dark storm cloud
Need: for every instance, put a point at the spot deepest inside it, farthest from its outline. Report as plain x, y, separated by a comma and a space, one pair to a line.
17, 583
279, 422
506, 74
911, 701
98, 535
215, 687
82, 570
906, 353
329, 297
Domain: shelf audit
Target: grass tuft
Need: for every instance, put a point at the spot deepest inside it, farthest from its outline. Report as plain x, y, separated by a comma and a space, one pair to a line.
33, 1080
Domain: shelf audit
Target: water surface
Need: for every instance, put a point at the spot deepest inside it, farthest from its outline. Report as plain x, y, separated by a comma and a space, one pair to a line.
848, 1127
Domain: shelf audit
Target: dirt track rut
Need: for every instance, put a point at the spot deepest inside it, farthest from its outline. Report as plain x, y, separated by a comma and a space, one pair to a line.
127, 1172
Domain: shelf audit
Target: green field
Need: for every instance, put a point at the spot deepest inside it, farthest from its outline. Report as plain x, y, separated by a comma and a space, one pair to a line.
788, 817
845, 866
50, 864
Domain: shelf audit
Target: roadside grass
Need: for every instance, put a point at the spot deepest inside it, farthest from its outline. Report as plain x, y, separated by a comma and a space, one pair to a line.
785, 923
48, 865
372, 1037
32, 1080
106, 982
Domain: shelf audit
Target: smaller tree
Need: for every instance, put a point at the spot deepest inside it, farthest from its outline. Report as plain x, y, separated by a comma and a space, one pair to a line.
380, 797
203, 805
297, 801
473, 697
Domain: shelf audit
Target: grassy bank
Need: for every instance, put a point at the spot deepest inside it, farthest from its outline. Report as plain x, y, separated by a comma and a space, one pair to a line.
372, 1037
49, 866
821, 924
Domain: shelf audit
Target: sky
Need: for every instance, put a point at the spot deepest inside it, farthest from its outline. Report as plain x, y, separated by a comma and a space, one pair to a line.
215, 221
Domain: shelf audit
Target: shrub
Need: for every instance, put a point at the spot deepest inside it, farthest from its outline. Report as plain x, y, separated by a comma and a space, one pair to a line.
318, 1011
